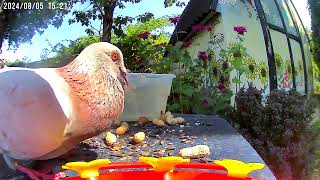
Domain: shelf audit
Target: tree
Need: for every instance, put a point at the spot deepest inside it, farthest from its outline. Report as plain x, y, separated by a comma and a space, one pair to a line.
18, 23
314, 7
103, 10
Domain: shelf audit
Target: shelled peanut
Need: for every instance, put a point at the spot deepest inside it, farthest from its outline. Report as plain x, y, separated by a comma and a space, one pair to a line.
158, 122
117, 122
122, 129
139, 137
111, 139
143, 121
195, 151
169, 119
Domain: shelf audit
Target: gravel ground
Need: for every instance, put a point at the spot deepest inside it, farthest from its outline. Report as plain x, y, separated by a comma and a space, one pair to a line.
223, 140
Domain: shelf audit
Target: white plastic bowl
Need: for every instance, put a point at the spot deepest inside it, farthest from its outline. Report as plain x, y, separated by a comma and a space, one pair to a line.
147, 96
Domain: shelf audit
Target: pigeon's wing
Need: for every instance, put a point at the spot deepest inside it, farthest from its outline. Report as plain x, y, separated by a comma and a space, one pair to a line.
32, 121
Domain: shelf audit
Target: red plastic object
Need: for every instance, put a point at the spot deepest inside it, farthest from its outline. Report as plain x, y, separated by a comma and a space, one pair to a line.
184, 171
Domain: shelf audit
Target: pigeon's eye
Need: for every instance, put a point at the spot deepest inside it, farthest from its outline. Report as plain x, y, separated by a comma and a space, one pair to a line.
114, 56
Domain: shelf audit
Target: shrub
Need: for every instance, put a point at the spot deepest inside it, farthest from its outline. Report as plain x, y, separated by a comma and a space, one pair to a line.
64, 54
280, 129
16, 63
143, 44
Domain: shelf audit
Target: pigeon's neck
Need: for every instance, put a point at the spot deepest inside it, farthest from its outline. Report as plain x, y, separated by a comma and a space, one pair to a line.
98, 93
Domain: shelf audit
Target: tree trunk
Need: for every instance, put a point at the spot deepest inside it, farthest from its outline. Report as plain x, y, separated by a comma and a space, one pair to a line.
108, 20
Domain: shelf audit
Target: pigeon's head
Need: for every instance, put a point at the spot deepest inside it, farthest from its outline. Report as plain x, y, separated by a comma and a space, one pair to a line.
108, 55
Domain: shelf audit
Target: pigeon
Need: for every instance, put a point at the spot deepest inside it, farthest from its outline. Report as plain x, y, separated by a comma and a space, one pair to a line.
45, 112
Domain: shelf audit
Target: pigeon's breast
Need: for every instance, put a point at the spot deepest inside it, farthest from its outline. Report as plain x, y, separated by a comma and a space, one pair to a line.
32, 120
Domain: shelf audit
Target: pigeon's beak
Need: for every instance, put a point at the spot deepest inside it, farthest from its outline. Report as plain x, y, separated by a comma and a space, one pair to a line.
124, 73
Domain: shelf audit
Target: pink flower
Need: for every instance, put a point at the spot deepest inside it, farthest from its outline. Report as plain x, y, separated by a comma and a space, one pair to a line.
225, 90
200, 27
221, 86
240, 29
186, 43
144, 35
209, 28
203, 55
175, 20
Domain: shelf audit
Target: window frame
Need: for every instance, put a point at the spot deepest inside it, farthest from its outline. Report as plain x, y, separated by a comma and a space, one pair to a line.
266, 26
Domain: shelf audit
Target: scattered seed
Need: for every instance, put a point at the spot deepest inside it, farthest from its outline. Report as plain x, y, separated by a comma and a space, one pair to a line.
117, 154
145, 153
162, 142
170, 147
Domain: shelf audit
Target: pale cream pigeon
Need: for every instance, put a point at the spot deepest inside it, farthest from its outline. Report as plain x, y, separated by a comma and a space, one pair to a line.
45, 112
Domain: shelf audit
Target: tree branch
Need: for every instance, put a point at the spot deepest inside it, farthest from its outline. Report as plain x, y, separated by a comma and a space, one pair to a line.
99, 8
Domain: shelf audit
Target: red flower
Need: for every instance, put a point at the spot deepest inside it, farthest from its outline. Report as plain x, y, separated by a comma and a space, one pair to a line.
144, 35
240, 29
175, 20
186, 43
225, 90
203, 55
221, 86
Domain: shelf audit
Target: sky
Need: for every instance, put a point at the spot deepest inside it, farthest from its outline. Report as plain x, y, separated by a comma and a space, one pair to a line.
34, 49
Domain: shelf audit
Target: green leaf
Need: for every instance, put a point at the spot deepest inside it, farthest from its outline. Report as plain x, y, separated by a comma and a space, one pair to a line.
222, 53
236, 81
237, 63
187, 91
173, 107
228, 70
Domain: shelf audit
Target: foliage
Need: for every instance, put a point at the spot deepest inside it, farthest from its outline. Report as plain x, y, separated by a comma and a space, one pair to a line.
195, 89
64, 54
14, 23
137, 51
314, 7
20, 25
143, 43
202, 83
168, 3
103, 11
279, 129
16, 63
316, 77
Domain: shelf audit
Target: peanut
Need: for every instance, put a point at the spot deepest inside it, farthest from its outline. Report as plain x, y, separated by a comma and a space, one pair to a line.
122, 129
111, 139
158, 122
143, 121
139, 137
195, 151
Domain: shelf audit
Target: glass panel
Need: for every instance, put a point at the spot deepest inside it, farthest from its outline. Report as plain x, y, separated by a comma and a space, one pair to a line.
271, 12
306, 46
287, 18
282, 60
298, 64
